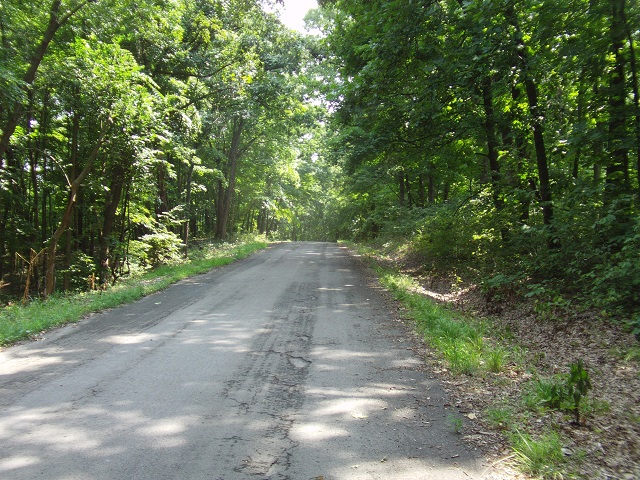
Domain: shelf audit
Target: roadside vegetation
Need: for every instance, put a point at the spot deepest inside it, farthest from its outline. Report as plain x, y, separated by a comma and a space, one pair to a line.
491, 159
129, 129
22, 320
555, 402
489, 150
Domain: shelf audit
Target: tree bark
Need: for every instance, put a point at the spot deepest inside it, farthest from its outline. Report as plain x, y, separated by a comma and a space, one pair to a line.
492, 141
163, 206
636, 96
617, 169
421, 191
111, 206
537, 117
225, 195
74, 186
187, 223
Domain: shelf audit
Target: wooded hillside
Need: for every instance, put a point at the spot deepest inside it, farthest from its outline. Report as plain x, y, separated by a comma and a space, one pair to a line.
503, 137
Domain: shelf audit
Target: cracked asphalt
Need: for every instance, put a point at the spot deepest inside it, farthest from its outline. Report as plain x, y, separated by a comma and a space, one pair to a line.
288, 365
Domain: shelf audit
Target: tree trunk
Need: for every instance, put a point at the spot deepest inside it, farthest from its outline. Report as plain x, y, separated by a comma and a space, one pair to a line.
110, 209
537, 117
187, 223
225, 195
431, 188
408, 190
492, 141
74, 186
162, 191
575, 171
617, 169
636, 96
421, 191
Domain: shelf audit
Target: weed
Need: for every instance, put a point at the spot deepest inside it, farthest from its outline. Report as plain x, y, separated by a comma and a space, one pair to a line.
578, 385
632, 354
455, 422
499, 417
462, 358
627, 355
519, 356
633, 417
594, 406
561, 392
496, 359
540, 456
634, 326
543, 393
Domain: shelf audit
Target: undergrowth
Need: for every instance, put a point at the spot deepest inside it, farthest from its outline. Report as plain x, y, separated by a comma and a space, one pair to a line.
460, 342
18, 321
541, 455
468, 346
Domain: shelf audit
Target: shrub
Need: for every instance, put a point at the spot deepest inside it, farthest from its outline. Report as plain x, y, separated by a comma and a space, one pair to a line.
561, 393
158, 248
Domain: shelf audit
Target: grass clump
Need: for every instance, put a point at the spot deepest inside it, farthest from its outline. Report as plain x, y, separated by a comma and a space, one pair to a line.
456, 423
496, 359
460, 342
18, 322
499, 417
541, 456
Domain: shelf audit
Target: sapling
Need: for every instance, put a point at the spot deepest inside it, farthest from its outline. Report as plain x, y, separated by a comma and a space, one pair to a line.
578, 385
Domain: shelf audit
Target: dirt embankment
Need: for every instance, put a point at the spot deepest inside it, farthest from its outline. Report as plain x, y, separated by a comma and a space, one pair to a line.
607, 443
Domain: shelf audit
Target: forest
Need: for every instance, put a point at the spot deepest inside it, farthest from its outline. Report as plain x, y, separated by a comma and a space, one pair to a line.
131, 128
499, 138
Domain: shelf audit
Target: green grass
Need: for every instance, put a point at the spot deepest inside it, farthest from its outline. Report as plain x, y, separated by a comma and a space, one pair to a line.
456, 423
499, 417
469, 346
459, 341
541, 456
18, 322
496, 360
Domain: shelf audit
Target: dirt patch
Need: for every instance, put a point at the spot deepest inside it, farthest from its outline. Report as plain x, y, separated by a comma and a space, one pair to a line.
606, 445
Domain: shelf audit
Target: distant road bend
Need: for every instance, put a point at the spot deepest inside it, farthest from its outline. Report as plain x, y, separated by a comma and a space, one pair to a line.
286, 365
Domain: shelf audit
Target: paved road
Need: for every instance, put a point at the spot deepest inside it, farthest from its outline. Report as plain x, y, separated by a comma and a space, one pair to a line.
287, 365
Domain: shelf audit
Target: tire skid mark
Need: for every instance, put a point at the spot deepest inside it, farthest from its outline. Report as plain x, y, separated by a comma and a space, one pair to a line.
268, 387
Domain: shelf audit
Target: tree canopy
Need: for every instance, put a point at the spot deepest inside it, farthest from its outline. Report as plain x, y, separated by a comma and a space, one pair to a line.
131, 128
503, 136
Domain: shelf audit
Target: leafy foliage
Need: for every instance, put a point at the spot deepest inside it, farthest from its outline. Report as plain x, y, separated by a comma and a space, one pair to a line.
500, 137
565, 393
131, 129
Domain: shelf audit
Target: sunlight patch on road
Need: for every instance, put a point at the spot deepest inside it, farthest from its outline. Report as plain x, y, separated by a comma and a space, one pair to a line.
168, 432
14, 463
350, 408
317, 431
128, 339
36, 362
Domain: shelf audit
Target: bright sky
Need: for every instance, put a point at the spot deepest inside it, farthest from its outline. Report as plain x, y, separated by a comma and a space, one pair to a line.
293, 12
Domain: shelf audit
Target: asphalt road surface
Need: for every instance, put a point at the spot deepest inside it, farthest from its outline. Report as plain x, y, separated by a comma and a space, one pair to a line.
286, 365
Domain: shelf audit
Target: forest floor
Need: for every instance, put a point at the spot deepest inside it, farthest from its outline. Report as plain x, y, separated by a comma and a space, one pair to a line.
606, 443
